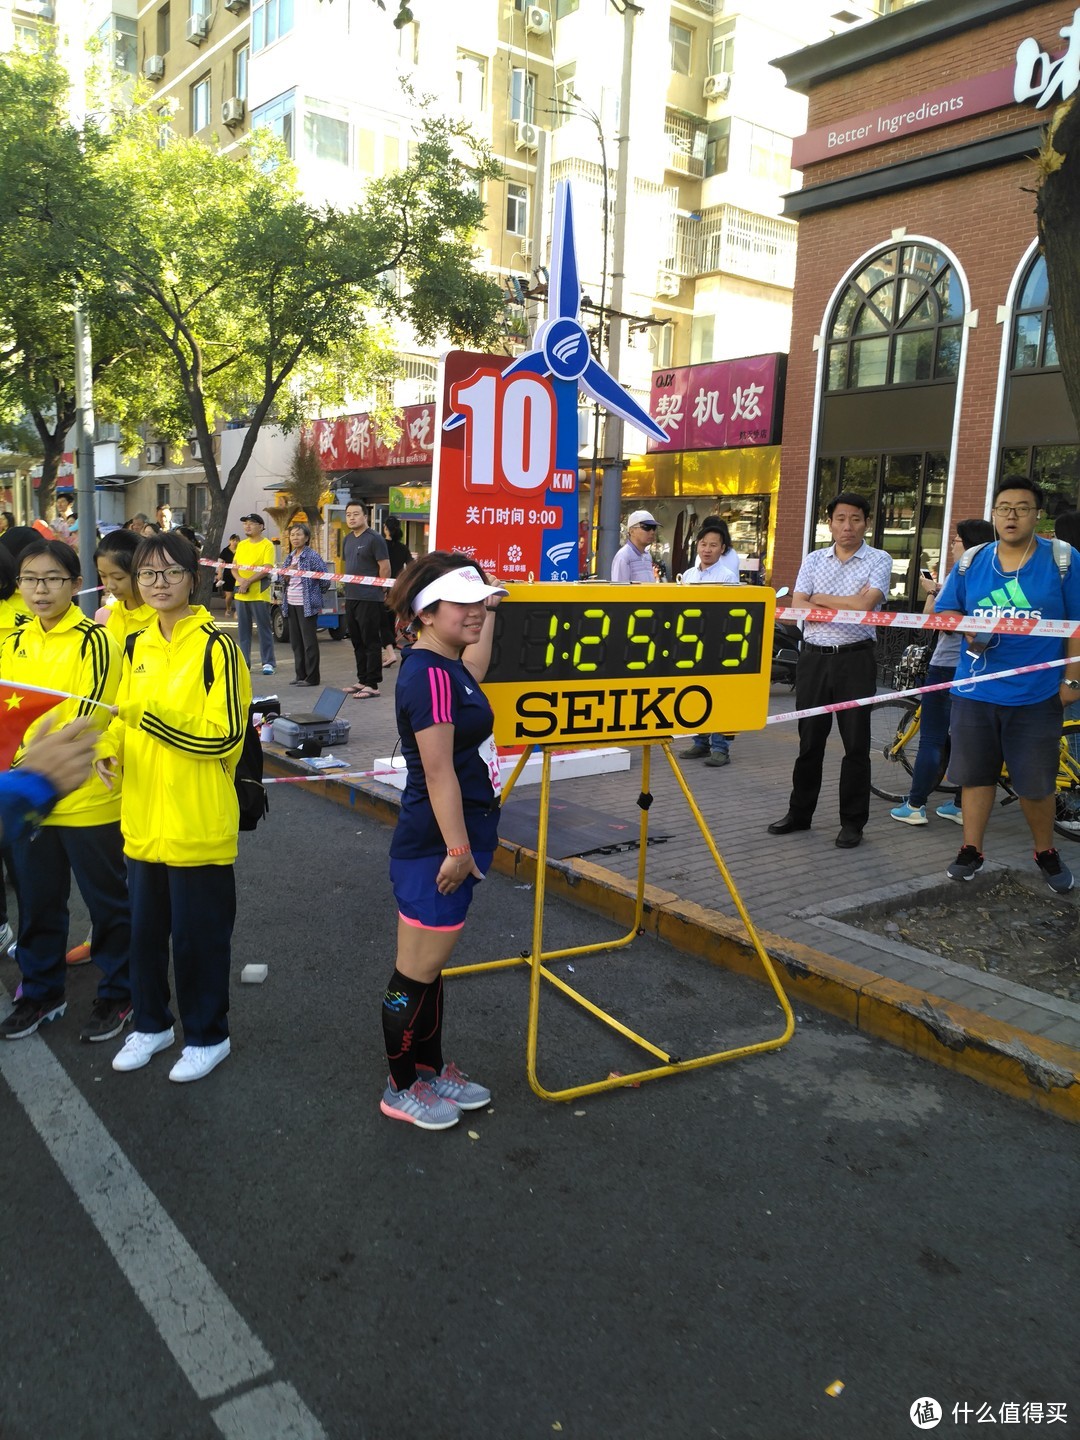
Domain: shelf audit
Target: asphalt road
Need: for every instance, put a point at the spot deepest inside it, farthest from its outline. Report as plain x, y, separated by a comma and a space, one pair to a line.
264, 1255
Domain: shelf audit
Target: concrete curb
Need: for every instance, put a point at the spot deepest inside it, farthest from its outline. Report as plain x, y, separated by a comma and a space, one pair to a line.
1040, 1072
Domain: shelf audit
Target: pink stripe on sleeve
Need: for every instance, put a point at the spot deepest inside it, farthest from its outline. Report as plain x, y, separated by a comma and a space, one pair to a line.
440, 696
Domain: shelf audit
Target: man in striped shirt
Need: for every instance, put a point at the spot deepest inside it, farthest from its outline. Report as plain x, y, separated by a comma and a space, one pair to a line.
837, 662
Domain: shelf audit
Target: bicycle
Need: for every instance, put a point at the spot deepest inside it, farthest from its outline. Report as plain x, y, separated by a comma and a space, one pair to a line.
894, 747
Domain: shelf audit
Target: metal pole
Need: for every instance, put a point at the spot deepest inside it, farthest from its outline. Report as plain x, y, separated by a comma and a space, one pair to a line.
84, 455
611, 495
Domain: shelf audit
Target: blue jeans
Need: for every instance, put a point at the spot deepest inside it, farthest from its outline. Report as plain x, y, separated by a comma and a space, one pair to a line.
718, 744
933, 737
259, 611
1072, 739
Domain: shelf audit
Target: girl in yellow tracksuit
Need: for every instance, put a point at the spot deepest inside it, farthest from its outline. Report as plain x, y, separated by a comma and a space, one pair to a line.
128, 612
181, 711
60, 649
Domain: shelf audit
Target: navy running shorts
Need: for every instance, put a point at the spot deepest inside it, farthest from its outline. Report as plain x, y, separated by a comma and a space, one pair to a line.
419, 902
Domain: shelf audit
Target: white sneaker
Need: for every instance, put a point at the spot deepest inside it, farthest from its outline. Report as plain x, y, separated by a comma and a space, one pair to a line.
139, 1048
198, 1060
7, 936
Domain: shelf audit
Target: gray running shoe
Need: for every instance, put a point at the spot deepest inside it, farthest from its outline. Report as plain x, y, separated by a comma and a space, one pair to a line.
967, 864
1054, 871
419, 1105
451, 1084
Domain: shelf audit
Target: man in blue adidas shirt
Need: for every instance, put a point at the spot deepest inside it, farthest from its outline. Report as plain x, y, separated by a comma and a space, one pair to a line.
1018, 719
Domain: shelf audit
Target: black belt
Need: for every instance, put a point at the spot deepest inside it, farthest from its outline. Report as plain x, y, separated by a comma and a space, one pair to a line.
836, 649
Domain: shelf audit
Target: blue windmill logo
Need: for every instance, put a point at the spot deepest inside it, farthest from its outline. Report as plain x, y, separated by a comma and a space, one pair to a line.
561, 349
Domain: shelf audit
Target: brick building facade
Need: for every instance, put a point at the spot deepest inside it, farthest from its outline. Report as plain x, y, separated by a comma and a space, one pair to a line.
923, 364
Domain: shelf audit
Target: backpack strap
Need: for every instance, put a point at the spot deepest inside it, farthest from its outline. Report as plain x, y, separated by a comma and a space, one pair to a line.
969, 555
1062, 556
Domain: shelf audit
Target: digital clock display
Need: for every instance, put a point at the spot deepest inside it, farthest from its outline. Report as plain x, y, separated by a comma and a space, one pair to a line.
668, 639
585, 662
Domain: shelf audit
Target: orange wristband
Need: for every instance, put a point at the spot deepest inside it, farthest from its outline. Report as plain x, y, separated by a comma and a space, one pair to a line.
454, 852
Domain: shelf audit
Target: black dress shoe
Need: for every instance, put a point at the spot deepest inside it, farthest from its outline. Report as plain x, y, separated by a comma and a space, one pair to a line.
848, 838
787, 825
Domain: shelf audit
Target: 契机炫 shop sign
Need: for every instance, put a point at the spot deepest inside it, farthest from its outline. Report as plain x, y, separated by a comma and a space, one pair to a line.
722, 405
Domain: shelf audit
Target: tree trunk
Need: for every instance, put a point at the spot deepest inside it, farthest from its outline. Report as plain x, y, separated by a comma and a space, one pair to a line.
1058, 211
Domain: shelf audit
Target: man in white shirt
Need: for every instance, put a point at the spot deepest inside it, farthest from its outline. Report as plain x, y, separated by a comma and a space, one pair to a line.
633, 564
837, 662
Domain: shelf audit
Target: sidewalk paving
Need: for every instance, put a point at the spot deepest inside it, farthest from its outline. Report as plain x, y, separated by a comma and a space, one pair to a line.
798, 886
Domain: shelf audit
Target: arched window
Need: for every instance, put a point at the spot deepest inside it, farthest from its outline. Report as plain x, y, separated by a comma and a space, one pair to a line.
1034, 345
898, 322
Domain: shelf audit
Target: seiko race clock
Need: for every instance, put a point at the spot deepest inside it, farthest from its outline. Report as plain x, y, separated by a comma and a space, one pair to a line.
614, 663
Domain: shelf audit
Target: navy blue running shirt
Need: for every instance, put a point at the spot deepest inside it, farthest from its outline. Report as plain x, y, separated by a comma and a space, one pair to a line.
432, 690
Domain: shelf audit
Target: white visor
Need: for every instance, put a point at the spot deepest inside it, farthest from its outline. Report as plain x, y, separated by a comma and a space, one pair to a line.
463, 587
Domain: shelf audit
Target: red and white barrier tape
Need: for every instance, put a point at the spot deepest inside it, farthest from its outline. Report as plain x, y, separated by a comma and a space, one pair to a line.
282, 572
868, 700
968, 624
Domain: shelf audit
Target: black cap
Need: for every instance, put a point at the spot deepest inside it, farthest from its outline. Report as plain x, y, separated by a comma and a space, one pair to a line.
258, 519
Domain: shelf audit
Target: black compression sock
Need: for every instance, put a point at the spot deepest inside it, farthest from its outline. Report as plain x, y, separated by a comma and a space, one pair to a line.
401, 1007
429, 1028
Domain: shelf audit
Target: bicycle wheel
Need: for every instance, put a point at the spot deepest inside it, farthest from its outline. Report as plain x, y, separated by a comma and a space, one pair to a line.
1067, 799
891, 756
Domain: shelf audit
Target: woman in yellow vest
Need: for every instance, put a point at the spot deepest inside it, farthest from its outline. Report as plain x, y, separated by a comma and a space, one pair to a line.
59, 648
181, 712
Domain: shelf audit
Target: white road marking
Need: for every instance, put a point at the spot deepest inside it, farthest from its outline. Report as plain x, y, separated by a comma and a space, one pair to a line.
210, 1341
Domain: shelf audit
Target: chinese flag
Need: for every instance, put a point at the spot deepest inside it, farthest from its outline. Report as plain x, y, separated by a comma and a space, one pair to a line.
19, 708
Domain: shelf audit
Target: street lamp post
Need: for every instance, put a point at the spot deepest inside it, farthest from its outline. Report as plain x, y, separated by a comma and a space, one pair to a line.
611, 494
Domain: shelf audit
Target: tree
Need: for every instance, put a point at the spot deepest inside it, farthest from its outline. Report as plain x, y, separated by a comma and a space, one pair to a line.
1057, 209
306, 481
264, 307
49, 203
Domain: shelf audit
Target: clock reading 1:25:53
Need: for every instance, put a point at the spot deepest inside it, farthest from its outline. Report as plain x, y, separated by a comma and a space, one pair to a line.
622, 640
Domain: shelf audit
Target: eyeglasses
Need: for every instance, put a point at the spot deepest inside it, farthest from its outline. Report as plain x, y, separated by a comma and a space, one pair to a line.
640, 526
172, 576
47, 582
1015, 511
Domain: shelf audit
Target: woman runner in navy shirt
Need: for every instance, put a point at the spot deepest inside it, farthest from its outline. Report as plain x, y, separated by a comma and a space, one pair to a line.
448, 826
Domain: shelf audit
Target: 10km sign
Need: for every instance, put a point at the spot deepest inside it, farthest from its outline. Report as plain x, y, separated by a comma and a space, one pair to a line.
505, 481
510, 432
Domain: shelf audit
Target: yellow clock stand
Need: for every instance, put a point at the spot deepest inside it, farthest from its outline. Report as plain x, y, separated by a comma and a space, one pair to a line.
539, 959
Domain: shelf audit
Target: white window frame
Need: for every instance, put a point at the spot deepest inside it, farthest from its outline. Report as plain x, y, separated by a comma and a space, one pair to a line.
517, 208
200, 104
677, 44
523, 95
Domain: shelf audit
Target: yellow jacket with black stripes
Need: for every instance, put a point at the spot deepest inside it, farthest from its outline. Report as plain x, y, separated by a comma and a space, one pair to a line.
13, 613
78, 656
179, 743
122, 622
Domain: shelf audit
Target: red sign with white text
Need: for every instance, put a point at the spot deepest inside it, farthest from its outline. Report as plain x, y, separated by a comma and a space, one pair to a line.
724, 405
351, 442
504, 489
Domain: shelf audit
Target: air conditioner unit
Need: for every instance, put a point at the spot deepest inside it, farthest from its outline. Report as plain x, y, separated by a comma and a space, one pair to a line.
716, 87
537, 20
668, 283
235, 7
154, 67
232, 111
198, 27
526, 135
155, 454
196, 449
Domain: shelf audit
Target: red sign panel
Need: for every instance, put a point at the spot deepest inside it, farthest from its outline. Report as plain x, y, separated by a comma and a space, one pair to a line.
505, 486
724, 405
351, 442
952, 102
